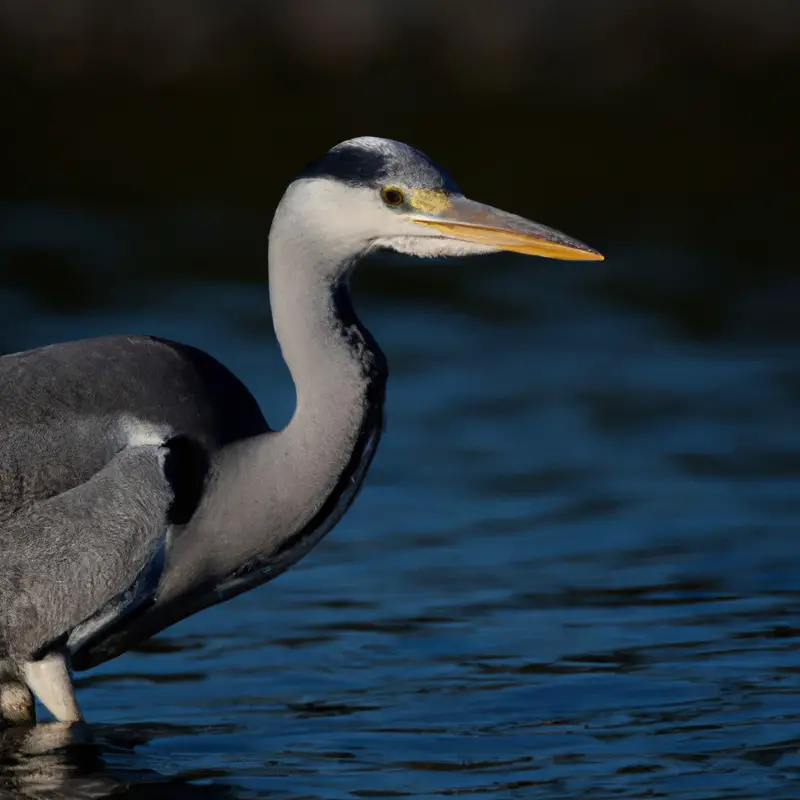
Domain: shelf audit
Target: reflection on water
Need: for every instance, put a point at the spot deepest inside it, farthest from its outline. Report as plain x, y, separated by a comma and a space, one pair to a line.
58, 761
573, 572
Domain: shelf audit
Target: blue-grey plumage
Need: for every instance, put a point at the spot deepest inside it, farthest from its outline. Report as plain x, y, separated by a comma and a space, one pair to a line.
89, 500
139, 480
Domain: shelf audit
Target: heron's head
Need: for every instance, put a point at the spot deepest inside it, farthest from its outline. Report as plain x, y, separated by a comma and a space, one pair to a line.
370, 193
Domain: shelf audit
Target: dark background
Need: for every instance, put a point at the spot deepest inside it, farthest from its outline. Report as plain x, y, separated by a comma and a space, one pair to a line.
573, 570
149, 141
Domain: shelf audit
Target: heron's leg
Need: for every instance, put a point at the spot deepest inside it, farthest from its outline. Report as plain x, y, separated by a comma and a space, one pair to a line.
50, 680
16, 704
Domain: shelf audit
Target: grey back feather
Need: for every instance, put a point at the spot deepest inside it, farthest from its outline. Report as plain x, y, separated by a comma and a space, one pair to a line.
65, 558
83, 511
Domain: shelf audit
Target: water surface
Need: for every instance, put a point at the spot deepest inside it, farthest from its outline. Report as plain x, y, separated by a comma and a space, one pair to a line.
573, 573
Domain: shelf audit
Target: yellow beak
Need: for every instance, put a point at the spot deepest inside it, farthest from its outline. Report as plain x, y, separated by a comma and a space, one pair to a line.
474, 222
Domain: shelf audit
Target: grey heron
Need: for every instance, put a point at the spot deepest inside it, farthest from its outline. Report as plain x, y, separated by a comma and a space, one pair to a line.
139, 480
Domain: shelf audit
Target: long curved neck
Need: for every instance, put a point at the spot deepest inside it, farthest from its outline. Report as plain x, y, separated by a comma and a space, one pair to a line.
269, 499
273, 497
339, 373
333, 359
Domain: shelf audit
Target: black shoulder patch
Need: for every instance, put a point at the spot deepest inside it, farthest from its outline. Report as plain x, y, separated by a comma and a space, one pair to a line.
185, 467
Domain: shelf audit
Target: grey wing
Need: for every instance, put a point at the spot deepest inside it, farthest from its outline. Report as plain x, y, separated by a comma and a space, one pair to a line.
73, 564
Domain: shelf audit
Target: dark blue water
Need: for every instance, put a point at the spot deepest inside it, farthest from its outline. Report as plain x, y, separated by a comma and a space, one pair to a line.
573, 573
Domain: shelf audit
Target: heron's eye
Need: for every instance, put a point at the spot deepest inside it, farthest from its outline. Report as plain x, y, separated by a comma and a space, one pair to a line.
392, 197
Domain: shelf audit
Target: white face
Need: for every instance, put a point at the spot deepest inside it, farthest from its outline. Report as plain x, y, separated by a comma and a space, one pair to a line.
359, 220
330, 218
